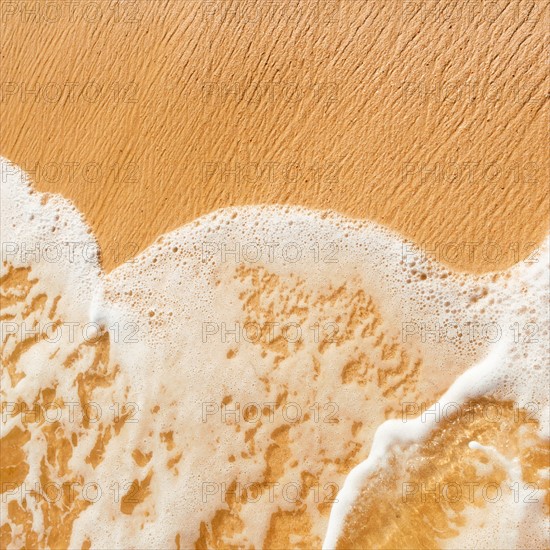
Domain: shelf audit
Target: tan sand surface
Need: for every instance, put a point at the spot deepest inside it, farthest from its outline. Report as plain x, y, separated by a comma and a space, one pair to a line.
427, 117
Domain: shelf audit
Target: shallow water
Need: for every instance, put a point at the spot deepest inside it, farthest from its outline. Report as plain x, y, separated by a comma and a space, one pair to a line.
217, 390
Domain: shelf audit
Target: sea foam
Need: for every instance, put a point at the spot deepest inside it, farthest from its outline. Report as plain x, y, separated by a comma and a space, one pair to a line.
251, 369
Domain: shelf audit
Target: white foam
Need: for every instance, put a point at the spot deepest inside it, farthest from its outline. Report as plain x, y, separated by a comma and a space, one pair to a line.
171, 290
507, 370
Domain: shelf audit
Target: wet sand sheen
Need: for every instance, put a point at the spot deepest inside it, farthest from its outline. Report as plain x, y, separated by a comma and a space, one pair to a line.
426, 499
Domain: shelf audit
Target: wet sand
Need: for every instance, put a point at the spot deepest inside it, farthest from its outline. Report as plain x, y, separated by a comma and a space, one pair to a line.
428, 119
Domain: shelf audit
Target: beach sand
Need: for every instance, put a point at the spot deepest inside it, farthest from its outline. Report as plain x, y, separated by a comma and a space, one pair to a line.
427, 119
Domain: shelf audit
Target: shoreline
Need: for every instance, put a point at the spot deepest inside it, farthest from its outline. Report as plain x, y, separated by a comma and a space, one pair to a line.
389, 118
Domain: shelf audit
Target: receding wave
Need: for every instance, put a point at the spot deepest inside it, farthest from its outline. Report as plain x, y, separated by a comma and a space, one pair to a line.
265, 377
